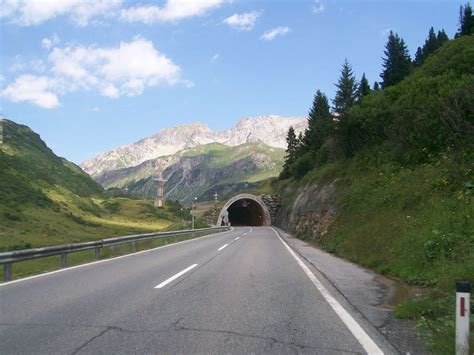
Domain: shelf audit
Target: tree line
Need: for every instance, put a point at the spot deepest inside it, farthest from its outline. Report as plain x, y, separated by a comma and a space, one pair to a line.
330, 132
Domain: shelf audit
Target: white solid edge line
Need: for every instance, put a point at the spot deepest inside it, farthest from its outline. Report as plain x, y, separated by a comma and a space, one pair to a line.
362, 337
174, 277
106, 260
222, 247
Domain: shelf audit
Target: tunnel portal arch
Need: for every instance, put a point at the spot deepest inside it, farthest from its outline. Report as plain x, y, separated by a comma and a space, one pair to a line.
246, 200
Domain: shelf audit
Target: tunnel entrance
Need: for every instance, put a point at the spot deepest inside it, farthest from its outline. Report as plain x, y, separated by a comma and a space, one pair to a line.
246, 212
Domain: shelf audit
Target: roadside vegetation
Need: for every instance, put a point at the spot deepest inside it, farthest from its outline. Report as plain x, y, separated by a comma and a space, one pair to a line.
401, 154
47, 200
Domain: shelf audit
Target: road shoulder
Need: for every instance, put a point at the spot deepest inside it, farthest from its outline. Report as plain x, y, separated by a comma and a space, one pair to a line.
364, 290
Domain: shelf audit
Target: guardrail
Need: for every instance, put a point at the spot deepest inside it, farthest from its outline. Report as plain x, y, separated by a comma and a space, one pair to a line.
10, 257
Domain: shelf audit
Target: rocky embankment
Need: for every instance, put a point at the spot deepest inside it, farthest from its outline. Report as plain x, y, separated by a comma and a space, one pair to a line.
310, 212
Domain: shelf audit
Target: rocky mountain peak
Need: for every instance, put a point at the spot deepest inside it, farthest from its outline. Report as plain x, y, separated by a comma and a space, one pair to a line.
271, 130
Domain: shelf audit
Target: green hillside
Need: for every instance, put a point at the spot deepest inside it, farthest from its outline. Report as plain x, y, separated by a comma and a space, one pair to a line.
402, 163
202, 171
47, 200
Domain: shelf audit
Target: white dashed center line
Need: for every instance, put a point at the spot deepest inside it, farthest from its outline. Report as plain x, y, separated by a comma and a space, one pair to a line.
237, 238
172, 278
222, 247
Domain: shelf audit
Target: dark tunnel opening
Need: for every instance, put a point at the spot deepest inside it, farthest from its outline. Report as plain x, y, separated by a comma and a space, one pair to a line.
246, 212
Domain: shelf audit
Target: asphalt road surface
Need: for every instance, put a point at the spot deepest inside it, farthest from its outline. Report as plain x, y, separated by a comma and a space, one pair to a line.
242, 291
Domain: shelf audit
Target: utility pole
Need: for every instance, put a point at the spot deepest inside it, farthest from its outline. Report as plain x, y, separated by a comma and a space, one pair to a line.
192, 210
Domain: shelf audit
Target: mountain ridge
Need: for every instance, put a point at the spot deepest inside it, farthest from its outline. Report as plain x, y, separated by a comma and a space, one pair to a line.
271, 130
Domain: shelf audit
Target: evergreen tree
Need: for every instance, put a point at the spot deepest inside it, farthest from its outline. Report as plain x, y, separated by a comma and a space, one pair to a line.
320, 123
300, 145
397, 61
466, 21
432, 43
291, 147
364, 87
442, 38
418, 57
376, 86
346, 93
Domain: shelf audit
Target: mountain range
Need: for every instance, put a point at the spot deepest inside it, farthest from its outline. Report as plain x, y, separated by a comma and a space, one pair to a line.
271, 130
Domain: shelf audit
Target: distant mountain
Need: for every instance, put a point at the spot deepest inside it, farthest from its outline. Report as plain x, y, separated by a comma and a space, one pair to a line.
270, 130
201, 171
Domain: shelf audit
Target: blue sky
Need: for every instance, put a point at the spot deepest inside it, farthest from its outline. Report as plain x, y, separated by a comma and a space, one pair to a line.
91, 75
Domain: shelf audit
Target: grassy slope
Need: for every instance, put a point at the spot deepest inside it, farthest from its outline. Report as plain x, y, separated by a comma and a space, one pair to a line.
47, 200
403, 210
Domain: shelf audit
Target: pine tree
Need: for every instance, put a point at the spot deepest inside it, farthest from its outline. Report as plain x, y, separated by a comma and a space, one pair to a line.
292, 147
346, 93
364, 87
376, 86
300, 150
320, 123
442, 38
432, 43
397, 62
418, 57
466, 21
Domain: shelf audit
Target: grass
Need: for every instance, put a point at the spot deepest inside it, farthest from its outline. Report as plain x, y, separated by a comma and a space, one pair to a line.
73, 223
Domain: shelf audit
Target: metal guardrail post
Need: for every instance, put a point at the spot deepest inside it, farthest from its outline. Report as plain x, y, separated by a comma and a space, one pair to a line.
7, 272
134, 247
97, 253
175, 239
63, 259
166, 241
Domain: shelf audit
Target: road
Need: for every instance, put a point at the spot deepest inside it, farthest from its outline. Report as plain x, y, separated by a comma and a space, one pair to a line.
242, 291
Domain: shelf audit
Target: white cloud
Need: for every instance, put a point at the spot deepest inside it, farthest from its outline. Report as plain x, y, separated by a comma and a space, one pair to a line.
243, 22
123, 70
95, 109
22, 64
270, 35
50, 42
318, 7
171, 11
36, 89
110, 90
215, 58
33, 12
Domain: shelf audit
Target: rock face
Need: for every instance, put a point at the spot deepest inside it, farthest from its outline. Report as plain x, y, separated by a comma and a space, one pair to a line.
311, 212
270, 130
273, 203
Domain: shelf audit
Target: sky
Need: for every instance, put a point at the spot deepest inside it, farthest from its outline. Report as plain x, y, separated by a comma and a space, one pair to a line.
89, 75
